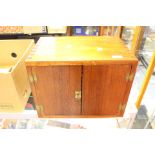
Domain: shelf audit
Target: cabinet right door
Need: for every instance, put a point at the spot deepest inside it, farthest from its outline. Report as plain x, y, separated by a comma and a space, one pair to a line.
104, 88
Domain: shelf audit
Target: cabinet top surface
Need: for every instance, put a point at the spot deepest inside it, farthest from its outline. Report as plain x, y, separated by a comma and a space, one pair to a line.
79, 50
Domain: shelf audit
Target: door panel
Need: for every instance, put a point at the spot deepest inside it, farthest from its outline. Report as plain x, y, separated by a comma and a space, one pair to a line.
55, 89
103, 89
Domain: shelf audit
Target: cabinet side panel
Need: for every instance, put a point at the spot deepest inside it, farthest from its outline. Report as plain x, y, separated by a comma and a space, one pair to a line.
104, 88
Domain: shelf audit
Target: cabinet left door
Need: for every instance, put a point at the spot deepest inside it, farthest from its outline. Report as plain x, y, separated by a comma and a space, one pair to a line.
55, 89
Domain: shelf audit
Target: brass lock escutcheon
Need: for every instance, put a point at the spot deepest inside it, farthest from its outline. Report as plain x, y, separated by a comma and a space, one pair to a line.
78, 95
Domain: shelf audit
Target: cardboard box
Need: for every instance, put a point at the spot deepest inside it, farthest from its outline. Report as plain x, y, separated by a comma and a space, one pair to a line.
14, 83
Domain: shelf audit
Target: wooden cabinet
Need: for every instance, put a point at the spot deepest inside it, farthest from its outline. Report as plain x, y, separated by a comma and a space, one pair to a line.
72, 76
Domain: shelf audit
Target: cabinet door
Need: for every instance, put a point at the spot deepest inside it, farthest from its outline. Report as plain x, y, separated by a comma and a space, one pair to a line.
104, 87
55, 88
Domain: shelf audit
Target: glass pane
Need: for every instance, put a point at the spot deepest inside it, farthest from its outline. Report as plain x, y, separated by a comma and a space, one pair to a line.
148, 43
127, 35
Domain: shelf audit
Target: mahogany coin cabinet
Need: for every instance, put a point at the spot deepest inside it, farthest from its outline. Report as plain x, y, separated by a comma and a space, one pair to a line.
81, 76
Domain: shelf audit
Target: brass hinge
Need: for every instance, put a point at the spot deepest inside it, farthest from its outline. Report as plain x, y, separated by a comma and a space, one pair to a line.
129, 77
39, 108
121, 107
33, 78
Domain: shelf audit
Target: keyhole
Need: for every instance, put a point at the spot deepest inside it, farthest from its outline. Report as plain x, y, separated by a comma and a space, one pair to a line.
13, 54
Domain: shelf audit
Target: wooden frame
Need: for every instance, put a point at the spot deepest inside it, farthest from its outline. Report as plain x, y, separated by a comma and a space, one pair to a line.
137, 38
101, 30
117, 34
69, 30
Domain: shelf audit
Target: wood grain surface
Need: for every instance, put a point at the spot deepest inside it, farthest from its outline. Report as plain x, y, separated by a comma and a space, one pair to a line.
73, 50
55, 89
103, 89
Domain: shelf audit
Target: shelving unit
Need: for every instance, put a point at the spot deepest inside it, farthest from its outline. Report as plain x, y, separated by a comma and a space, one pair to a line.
28, 32
110, 31
102, 30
